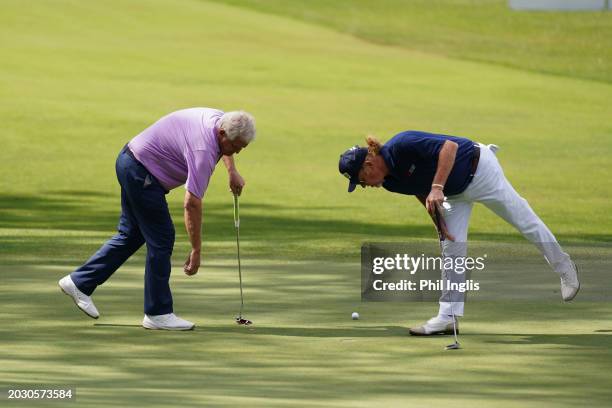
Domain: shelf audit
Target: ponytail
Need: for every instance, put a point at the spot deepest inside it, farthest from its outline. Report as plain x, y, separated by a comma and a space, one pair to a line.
373, 145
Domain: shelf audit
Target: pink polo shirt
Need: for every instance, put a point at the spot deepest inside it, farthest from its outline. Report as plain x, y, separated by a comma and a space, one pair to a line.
181, 148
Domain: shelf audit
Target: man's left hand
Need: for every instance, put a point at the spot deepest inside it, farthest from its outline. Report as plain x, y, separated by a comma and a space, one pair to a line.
192, 264
435, 198
236, 182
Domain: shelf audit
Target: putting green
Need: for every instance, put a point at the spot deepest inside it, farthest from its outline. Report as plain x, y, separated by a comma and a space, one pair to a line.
303, 348
78, 80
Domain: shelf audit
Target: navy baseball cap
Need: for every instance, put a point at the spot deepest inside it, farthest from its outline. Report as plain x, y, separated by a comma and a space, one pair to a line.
350, 164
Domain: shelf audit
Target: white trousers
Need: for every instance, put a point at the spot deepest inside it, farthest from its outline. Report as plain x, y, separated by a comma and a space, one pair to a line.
491, 188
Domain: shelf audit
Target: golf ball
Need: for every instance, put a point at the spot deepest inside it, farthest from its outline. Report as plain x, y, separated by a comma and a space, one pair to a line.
355, 316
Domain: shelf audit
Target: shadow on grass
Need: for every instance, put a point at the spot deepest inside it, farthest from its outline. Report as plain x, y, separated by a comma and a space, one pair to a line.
94, 211
210, 364
602, 341
343, 332
45, 340
69, 225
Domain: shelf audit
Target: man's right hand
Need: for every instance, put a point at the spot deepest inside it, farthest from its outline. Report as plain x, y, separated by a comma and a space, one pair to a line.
192, 264
438, 219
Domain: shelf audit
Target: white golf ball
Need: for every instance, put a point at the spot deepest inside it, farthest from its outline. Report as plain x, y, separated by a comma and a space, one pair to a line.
355, 316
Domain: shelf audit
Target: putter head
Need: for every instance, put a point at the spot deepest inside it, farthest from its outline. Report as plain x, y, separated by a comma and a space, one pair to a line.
454, 346
241, 320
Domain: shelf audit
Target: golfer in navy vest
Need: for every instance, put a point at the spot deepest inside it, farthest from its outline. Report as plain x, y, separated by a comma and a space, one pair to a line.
182, 148
448, 175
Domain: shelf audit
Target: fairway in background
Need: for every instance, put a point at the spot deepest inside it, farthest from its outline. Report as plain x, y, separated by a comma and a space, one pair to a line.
80, 79
562, 43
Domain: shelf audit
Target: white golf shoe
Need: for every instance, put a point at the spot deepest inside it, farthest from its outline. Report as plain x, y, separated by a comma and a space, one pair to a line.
569, 283
82, 301
168, 321
435, 325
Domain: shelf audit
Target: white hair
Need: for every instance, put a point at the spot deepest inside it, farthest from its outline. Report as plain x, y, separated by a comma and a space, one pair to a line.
238, 124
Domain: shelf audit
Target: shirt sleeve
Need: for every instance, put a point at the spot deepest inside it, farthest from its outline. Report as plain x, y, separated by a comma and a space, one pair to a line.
200, 167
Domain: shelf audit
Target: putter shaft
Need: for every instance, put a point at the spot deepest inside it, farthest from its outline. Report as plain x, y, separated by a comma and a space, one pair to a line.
437, 220
237, 226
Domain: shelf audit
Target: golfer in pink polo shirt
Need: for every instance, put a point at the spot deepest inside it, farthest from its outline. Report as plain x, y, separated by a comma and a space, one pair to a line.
180, 148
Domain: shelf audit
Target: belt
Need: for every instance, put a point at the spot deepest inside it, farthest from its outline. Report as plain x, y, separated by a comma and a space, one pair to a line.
475, 159
127, 150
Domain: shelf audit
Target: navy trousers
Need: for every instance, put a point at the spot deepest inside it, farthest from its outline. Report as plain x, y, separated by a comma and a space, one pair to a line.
144, 219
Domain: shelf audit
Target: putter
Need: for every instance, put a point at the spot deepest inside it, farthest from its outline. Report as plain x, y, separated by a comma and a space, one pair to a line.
455, 345
239, 319
436, 217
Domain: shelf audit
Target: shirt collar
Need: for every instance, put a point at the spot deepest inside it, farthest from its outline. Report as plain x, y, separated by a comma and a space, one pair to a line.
215, 131
389, 161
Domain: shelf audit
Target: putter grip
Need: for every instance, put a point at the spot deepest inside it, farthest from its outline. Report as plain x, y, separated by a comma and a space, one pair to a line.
236, 212
437, 219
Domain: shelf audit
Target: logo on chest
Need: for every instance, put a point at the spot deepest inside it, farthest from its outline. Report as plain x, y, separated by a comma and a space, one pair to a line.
409, 172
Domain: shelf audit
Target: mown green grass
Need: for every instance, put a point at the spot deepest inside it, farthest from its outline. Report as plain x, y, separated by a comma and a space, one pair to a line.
79, 79
303, 349
562, 43
78, 86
